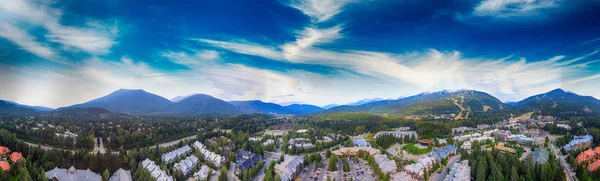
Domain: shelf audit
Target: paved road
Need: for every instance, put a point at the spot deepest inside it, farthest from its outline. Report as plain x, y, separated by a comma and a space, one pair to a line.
231, 172
569, 172
98, 148
268, 158
171, 143
442, 176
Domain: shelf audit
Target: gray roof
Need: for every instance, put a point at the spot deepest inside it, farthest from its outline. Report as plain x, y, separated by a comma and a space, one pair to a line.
72, 175
121, 175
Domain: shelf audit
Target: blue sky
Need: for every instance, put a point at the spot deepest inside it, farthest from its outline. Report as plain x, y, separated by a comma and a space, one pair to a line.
58, 53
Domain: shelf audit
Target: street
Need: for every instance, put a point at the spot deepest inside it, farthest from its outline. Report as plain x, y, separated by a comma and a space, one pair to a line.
569, 172
442, 176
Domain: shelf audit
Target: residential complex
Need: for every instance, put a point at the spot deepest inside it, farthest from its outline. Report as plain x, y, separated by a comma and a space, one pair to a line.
214, 158
72, 174
154, 170
171, 156
289, 168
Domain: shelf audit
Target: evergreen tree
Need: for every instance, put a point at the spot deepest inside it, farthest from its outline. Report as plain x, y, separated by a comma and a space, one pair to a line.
481, 171
514, 176
105, 175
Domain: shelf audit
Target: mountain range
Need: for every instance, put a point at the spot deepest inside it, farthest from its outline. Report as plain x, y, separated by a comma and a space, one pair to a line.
460, 104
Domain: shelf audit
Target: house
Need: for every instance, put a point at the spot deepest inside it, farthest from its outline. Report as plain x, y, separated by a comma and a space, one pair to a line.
254, 139
214, 158
187, 164
269, 141
594, 166
360, 142
579, 142
246, 160
302, 131
15, 156
155, 171
426, 142
441, 142
540, 155
202, 174
289, 168
173, 155
4, 165
466, 145
444, 152
459, 172
385, 165
72, 174
121, 175
502, 134
588, 155
4, 151
418, 168
565, 126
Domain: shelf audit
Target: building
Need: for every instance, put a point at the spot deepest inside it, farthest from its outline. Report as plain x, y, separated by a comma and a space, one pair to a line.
501, 147
276, 132
121, 175
254, 139
289, 168
466, 145
385, 165
502, 134
462, 129
202, 174
269, 141
5, 166
418, 168
360, 142
466, 137
15, 156
4, 151
72, 174
401, 132
441, 142
353, 151
214, 158
426, 142
246, 160
187, 164
565, 126
579, 142
155, 171
459, 172
444, 152
173, 155
540, 155
402, 176
594, 166
588, 155
302, 131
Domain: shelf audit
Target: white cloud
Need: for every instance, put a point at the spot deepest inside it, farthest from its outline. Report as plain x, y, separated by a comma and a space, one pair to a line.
28, 43
319, 10
245, 48
512, 8
308, 38
95, 37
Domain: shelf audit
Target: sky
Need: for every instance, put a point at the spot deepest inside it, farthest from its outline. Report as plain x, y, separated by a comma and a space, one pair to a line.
59, 53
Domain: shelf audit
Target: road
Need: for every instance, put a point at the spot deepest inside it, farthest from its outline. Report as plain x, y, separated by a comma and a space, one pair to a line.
268, 158
569, 172
171, 143
98, 148
442, 176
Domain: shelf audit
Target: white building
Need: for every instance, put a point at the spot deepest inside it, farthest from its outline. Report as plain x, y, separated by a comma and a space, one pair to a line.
171, 156
202, 174
155, 171
187, 164
216, 159
459, 172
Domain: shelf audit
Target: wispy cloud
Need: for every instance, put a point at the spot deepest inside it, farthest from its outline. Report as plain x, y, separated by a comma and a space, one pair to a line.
512, 8
318, 10
29, 43
94, 37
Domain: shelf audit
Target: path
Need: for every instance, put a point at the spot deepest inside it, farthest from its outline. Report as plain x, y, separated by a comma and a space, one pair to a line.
171, 143
570, 174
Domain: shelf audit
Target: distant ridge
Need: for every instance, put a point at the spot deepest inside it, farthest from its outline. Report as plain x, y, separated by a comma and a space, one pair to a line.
131, 101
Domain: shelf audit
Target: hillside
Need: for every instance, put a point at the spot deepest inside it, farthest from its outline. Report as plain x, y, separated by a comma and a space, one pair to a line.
559, 102
257, 106
7, 107
127, 101
463, 104
201, 104
303, 108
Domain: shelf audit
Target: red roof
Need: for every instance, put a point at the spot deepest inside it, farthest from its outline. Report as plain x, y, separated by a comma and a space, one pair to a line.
4, 150
5, 166
15, 156
594, 166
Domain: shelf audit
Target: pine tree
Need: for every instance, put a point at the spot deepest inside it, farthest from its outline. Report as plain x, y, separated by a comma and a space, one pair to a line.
105, 175
481, 171
514, 176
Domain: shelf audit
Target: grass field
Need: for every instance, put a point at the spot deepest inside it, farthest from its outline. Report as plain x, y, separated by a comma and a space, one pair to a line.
412, 149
